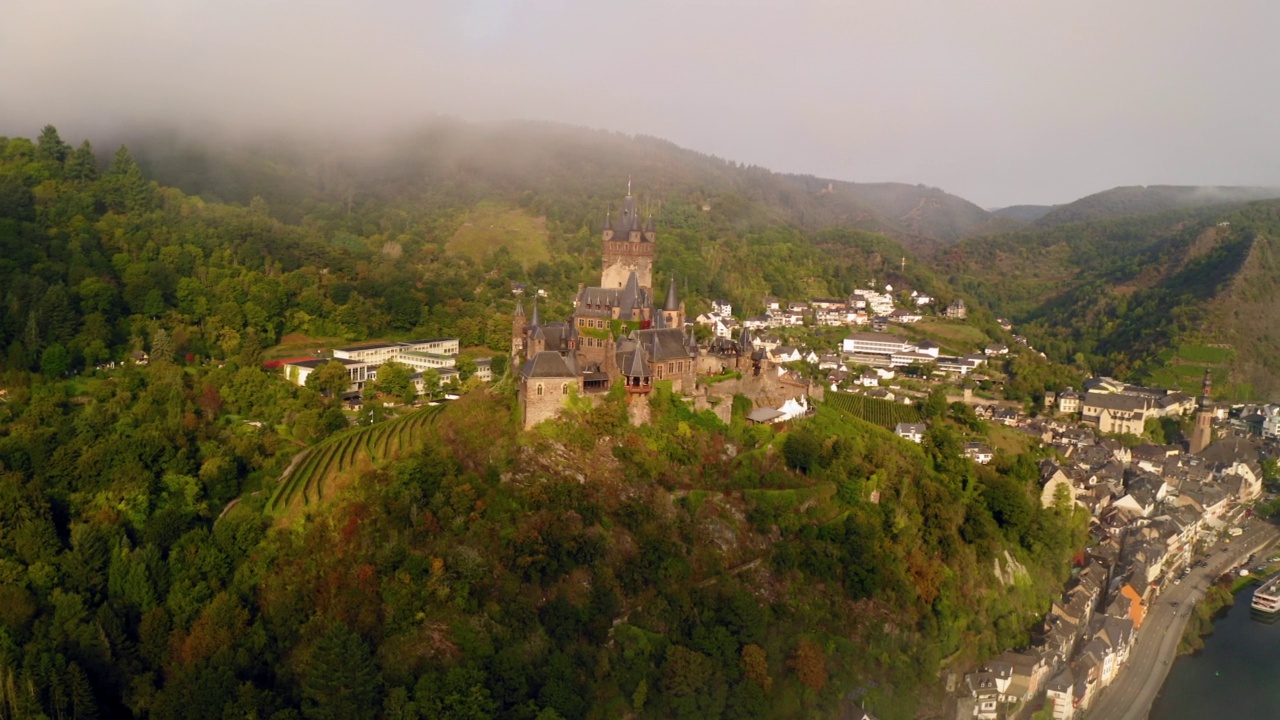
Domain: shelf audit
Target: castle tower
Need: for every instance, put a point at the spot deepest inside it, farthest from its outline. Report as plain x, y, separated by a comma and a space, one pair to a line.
517, 335
1203, 432
673, 309
627, 247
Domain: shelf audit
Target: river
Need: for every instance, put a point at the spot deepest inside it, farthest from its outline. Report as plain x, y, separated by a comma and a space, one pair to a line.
1235, 676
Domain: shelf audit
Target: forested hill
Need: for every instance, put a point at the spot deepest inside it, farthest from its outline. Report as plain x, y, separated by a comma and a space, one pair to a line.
1150, 199
570, 171
1156, 297
586, 569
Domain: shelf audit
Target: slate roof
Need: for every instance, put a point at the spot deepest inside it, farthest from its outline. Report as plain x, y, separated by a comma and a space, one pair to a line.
673, 303
599, 302
1120, 403
547, 364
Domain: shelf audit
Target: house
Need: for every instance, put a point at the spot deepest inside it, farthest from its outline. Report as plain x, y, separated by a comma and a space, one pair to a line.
911, 431
996, 349
978, 452
869, 379
1060, 695
829, 361
989, 688
905, 316
771, 303
956, 310
784, 354
723, 308
1069, 401
1115, 413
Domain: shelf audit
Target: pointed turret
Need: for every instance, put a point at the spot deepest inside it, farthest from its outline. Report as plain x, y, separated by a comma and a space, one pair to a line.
659, 320
648, 225
629, 300
519, 309
608, 220
1206, 388
636, 366
673, 303
534, 320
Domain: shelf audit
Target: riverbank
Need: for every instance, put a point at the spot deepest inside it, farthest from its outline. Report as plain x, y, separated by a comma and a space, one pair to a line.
1218, 599
1233, 675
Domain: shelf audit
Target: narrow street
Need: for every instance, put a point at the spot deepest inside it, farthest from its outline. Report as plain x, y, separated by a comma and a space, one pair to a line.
1131, 695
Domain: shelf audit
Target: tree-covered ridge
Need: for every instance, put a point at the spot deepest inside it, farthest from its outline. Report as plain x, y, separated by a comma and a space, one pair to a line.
94, 265
1150, 199
1115, 297
451, 162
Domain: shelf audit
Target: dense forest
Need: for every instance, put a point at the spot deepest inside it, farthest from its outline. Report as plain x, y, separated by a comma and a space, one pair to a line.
587, 569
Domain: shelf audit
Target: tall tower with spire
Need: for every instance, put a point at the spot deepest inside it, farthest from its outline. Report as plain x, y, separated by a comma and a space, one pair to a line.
628, 246
1203, 432
673, 310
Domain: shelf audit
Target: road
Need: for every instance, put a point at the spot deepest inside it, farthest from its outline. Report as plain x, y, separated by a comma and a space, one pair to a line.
1130, 696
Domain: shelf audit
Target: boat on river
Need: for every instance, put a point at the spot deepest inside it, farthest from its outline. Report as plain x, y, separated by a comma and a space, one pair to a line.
1266, 599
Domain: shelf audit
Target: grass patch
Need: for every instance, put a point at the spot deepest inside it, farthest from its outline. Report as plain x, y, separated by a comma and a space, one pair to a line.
1008, 441
1205, 354
492, 225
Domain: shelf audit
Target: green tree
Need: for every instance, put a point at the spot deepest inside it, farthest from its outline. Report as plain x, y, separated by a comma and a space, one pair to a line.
331, 378
689, 684
935, 405
82, 165
50, 148
430, 383
395, 380
341, 680
55, 361
124, 189
466, 368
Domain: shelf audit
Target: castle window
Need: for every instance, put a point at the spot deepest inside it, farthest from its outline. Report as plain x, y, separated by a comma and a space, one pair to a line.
564, 389
539, 389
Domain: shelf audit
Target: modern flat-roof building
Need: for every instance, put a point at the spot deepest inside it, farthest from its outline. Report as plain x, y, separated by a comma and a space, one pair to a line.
879, 344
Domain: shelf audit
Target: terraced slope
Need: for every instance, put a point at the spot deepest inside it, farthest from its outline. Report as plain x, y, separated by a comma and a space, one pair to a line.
874, 410
368, 446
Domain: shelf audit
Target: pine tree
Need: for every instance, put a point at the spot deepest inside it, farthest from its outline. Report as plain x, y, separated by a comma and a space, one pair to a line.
82, 165
50, 147
124, 189
342, 680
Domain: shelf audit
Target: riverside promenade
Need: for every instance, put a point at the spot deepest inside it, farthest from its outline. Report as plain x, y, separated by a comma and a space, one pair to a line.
1134, 690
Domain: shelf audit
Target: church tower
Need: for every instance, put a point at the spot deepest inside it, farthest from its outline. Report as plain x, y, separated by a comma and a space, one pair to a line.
1203, 431
627, 247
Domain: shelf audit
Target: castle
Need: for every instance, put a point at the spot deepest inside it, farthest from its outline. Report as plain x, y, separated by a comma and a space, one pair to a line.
616, 334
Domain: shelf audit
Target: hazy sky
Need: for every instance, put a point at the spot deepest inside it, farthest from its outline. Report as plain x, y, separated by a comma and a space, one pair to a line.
999, 101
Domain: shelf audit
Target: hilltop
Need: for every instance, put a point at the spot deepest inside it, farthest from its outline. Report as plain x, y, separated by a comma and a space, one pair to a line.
1024, 213
1146, 200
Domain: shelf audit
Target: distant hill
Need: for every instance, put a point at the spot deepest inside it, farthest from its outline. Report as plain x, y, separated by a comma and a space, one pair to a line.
1154, 298
1024, 213
1146, 200
580, 170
